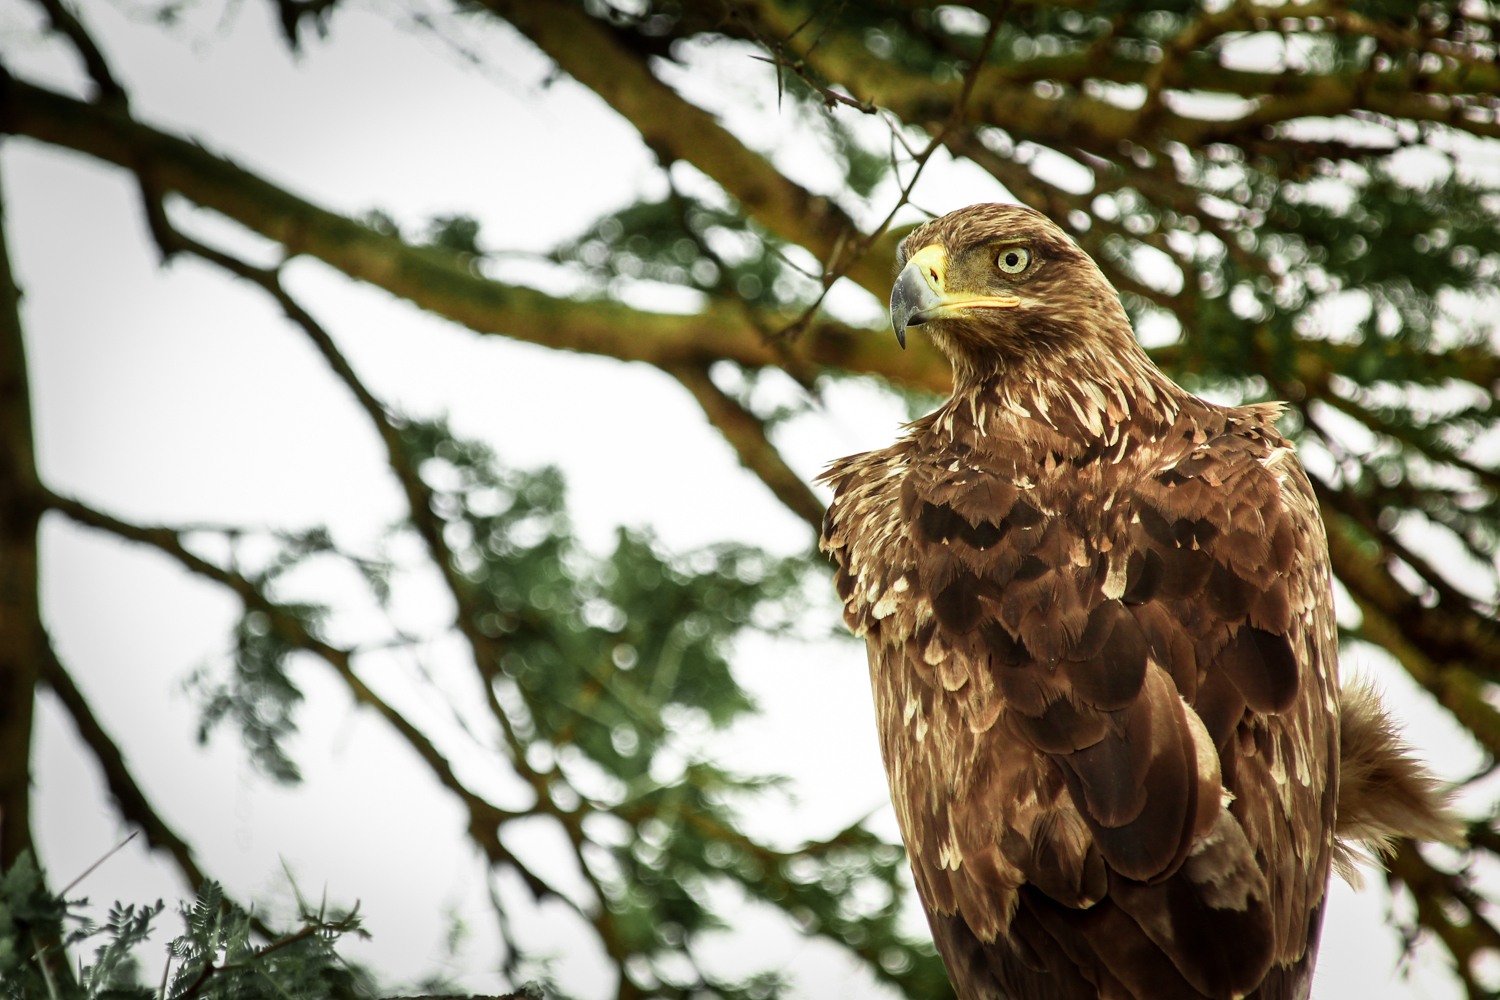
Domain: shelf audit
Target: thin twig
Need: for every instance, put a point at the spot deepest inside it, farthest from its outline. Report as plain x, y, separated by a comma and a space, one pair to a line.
41, 961
91, 868
66, 23
839, 263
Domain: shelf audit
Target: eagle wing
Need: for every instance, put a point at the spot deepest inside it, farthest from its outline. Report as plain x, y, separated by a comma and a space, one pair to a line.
1107, 696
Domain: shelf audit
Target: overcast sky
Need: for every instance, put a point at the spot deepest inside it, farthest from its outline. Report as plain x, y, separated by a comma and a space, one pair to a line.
177, 395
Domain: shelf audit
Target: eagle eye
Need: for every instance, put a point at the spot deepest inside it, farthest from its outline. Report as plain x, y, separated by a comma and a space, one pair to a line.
1013, 260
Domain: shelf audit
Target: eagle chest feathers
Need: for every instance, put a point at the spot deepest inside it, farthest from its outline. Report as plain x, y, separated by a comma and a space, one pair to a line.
1101, 643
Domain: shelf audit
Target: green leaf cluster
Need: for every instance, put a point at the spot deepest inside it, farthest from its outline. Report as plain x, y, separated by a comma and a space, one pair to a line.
600, 665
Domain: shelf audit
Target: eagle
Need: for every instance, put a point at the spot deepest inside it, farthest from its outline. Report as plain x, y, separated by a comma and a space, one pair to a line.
1100, 625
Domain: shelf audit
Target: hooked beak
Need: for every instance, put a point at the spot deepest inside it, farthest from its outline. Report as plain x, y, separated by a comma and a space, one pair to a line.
920, 294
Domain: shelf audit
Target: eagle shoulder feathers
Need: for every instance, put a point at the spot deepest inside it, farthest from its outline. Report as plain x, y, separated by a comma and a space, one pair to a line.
1102, 647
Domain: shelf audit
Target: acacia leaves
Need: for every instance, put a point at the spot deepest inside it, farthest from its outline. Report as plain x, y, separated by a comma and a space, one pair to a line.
213, 958
597, 649
600, 666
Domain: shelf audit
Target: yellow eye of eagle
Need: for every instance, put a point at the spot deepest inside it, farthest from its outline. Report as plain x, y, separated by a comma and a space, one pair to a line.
1014, 261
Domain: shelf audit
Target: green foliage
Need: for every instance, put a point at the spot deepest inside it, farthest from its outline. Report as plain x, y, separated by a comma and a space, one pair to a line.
597, 648
599, 664
31, 923
863, 168
684, 241
459, 233
605, 672
1296, 257
41, 936
214, 956
1248, 181
259, 695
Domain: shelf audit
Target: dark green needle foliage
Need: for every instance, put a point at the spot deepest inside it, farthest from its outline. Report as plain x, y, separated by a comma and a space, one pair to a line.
51, 949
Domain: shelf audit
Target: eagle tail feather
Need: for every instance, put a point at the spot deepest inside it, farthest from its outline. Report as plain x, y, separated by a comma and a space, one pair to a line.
1385, 793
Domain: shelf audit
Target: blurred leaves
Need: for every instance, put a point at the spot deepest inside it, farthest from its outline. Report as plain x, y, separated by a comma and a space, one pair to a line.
608, 672
459, 233
684, 241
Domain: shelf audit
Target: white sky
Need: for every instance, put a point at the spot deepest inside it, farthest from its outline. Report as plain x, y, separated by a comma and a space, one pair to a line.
177, 395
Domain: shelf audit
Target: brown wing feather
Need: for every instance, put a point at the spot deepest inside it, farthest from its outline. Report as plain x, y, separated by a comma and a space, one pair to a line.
1080, 654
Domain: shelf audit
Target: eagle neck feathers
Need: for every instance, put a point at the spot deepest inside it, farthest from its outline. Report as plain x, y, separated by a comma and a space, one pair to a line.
1064, 404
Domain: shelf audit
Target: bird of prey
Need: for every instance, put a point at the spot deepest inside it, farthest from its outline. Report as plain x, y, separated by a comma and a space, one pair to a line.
1101, 637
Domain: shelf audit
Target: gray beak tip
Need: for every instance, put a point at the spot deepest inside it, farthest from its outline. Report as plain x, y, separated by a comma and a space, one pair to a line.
911, 297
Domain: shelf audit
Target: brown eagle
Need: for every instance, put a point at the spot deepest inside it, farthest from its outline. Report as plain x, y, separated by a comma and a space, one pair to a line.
1103, 651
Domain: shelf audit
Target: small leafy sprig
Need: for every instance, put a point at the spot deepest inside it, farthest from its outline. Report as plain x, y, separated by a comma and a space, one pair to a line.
214, 958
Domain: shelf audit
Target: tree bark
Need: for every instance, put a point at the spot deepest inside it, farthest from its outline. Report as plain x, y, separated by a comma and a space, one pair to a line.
22, 640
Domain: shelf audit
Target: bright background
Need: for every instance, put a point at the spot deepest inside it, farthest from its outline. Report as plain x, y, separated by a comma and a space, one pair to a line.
176, 395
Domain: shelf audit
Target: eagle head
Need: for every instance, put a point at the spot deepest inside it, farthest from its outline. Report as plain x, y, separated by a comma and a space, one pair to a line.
998, 285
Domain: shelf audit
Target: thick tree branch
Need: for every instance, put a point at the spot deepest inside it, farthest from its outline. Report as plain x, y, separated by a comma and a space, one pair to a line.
23, 642
435, 279
586, 50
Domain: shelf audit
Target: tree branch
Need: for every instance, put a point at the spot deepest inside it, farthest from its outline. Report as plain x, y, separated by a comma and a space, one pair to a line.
418, 495
435, 279
107, 89
747, 434
1004, 97
1438, 654
484, 817
22, 638
130, 800
1438, 894
586, 50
